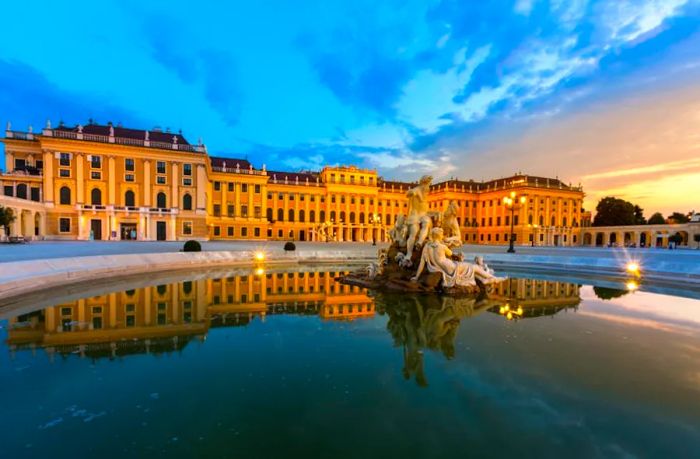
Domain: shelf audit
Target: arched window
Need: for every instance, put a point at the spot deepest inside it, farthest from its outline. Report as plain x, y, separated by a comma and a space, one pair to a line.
290, 215
333, 216
129, 199
352, 217
280, 215
187, 202
302, 215
65, 195
362, 218
322, 216
574, 224
269, 214
554, 220
312, 216
22, 191
541, 220
96, 197
563, 222
161, 200
342, 216
387, 219
529, 219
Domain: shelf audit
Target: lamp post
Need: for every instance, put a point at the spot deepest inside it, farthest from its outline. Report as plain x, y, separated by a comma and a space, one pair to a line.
374, 219
512, 201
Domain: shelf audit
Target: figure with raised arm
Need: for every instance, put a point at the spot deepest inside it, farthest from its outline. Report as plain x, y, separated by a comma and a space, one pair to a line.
418, 221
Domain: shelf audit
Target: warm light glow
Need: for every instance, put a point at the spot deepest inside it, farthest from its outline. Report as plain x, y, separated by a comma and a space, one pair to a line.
260, 271
502, 310
520, 311
259, 256
510, 315
633, 267
632, 286
512, 194
522, 199
507, 307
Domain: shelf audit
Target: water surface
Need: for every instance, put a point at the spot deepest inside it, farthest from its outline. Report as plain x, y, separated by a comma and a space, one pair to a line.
255, 364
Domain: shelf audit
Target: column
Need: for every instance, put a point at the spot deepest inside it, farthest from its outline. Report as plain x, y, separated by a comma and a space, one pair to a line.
15, 225
237, 199
174, 198
172, 224
146, 199
48, 177
80, 179
147, 306
175, 301
201, 188
251, 209
112, 305
112, 182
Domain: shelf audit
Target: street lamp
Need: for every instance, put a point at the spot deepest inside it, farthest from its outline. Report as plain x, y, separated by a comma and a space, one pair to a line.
374, 219
512, 201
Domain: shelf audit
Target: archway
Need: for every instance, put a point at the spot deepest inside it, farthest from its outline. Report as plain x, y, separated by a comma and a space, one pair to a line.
587, 239
599, 239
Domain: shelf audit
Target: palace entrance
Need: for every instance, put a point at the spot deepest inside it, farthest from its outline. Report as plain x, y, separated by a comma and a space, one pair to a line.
128, 231
96, 230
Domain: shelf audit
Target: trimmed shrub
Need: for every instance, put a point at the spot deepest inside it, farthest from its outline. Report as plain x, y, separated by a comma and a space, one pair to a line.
192, 246
289, 247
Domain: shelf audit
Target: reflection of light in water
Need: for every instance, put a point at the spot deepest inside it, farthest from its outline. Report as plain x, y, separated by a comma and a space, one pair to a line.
632, 286
259, 255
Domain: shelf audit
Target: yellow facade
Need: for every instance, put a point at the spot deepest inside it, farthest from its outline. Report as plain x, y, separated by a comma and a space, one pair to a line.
111, 183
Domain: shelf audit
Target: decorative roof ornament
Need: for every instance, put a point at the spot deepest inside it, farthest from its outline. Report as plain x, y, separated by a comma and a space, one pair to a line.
200, 141
174, 140
264, 167
31, 129
238, 168
80, 128
146, 136
9, 126
48, 123
111, 130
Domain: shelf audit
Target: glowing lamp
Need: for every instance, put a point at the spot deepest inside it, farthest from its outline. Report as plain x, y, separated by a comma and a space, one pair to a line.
259, 271
259, 256
632, 286
632, 267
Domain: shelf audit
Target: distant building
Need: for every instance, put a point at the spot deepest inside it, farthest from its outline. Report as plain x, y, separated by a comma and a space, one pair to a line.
106, 182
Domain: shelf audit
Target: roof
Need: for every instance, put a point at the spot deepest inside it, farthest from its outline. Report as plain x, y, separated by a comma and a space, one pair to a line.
396, 184
292, 177
230, 163
139, 134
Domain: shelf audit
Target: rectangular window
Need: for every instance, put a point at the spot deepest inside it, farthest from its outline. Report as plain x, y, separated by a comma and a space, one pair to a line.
20, 163
64, 159
96, 161
230, 186
95, 175
160, 180
129, 164
35, 194
129, 178
258, 213
498, 221
279, 233
217, 186
230, 231
257, 189
64, 225
64, 172
291, 196
187, 169
39, 164
187, 228
217, 210
244, 211
256, 231
217, 231
186, 181
160, 167
244, 232
244, 187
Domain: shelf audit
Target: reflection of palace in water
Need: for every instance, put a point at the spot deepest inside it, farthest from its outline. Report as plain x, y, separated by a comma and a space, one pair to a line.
534, 297
164, 318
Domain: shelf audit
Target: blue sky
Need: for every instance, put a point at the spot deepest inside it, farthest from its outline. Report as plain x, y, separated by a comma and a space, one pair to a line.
584, 90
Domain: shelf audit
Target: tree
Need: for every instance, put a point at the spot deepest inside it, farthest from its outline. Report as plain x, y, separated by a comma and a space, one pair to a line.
605, 293
612, 211
678, 217
639, 216
656, 219
6, 217
696, 238
676, 239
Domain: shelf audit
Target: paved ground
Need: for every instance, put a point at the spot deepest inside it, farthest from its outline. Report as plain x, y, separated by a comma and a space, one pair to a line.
55, 249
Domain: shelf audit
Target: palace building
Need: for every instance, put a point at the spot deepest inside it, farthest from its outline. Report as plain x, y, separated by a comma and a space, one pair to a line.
107, 182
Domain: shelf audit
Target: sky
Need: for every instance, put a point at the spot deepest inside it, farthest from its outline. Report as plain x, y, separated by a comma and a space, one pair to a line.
602, 93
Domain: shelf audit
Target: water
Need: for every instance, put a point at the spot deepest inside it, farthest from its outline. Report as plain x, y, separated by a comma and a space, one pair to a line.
293, 364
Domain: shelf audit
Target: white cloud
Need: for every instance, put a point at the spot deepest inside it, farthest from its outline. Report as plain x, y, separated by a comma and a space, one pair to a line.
524, 7
626, 20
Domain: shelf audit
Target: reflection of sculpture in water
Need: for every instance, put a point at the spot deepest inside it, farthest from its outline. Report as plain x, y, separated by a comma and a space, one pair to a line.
417, 322
437, 258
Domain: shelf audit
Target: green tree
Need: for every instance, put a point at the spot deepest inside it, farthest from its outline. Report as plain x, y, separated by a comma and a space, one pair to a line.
6, 217
678, 217
696, 238
612, 211
656, 219
639, 216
